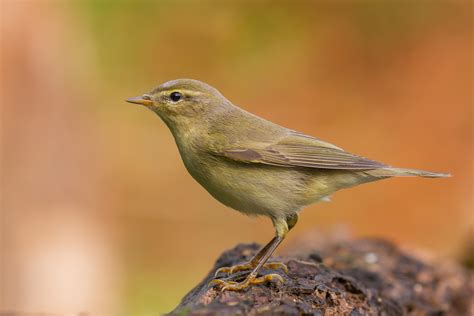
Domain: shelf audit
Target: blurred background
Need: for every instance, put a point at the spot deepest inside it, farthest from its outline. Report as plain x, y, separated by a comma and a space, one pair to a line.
98, 214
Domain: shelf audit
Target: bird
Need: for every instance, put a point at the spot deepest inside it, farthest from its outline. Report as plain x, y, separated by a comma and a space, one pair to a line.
255, 166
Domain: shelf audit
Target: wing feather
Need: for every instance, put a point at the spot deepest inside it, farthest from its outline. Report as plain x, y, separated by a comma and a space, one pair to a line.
296, 151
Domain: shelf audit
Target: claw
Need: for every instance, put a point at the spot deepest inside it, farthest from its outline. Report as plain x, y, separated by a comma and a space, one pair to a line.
248, 266
275, 266
236, 268
220, 282
226, 285
270, 277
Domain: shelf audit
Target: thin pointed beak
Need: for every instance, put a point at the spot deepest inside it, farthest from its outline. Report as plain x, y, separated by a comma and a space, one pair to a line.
143, 100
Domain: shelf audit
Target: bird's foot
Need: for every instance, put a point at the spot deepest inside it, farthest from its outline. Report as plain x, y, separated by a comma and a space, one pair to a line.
251, 279
248, 266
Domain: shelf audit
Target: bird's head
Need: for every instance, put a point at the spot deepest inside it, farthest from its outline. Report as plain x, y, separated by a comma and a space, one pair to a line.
183, 101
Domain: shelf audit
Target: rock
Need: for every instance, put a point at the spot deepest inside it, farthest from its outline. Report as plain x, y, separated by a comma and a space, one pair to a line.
361, 277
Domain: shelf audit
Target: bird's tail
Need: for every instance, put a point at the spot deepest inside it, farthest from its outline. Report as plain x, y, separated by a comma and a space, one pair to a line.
401, 172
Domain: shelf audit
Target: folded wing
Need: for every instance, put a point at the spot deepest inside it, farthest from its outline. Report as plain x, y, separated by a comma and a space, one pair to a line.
299, 150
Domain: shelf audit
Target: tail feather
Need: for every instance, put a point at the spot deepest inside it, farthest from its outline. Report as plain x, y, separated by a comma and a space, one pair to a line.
401, 172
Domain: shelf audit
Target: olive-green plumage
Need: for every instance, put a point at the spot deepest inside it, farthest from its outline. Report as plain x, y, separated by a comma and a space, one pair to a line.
253, 165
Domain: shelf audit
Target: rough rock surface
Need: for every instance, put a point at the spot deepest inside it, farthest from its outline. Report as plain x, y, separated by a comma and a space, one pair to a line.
361, 277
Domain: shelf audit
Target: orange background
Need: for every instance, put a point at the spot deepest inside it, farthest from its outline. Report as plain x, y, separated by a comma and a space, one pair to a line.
98, 212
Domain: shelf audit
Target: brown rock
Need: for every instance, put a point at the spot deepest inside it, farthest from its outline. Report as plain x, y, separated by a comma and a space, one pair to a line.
361, 277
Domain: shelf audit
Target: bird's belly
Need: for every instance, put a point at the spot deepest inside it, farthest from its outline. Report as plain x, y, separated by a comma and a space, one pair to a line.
255, 189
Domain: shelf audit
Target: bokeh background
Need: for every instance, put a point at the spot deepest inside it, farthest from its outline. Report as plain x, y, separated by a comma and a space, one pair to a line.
98, 212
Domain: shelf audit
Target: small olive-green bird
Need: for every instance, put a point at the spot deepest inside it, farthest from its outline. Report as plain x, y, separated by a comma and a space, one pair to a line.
255, 166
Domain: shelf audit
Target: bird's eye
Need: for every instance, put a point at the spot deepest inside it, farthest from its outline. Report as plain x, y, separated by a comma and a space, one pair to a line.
176, 96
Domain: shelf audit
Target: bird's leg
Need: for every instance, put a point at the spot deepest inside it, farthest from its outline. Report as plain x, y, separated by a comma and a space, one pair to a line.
282, 226
291, 222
